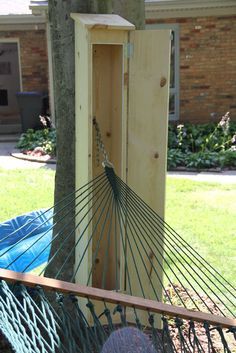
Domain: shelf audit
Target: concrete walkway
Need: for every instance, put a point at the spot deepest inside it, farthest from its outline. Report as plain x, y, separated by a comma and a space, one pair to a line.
9, 162
226, 177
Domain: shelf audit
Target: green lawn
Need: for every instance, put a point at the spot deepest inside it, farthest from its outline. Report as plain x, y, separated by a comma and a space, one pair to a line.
24, 191
204, 214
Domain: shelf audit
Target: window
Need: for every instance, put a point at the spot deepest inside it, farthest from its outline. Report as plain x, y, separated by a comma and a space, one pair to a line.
3, 97
174, 68
5, 68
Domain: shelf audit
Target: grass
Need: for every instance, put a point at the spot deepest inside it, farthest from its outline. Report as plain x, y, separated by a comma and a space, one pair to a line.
204, 214
24, 191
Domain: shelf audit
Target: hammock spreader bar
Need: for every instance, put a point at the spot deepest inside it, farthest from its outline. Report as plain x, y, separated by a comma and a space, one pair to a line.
54, 285
41, 327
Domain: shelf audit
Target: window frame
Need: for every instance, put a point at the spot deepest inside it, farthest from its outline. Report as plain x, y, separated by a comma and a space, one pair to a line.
17, 41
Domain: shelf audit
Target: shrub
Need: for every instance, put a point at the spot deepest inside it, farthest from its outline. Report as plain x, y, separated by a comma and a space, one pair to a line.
228, 158
175, 158
200, 160
203, 145
45, 138
202, 137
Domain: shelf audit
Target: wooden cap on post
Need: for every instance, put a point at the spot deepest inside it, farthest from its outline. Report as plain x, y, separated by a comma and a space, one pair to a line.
103, 21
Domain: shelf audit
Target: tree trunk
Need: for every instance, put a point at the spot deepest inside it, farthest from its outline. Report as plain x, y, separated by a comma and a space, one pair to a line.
62, 34
131, 10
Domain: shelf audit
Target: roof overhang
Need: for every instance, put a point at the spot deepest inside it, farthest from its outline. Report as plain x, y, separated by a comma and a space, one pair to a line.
21, 22
160, 9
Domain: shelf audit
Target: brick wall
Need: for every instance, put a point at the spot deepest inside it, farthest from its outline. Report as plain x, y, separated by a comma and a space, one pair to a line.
207, 67
33, 56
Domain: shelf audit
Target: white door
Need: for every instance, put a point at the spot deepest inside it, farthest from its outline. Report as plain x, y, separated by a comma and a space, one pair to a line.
9, 83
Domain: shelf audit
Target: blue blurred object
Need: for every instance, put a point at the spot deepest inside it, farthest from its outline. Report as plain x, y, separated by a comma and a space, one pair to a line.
25, 241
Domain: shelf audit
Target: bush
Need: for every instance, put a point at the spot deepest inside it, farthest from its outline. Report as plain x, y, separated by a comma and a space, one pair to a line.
202, 146
200, 160
228, 158
175, 158
45, 139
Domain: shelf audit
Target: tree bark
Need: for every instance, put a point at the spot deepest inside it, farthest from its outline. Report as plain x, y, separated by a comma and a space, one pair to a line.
62, 34
131, 10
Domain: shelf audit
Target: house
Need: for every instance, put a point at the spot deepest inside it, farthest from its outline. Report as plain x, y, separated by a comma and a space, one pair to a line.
23, 59
203, 52
203, 56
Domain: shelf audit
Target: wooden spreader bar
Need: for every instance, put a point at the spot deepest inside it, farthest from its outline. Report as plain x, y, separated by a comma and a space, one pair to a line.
114, 297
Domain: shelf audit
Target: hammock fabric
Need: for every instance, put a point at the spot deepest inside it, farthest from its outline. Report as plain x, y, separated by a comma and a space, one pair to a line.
131, 245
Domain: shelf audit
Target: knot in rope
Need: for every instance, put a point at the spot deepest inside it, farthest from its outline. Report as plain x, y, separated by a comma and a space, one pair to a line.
191, 325
138, 323
179, 322
38, 288
151, 319
107, 312
73, 298
232, 329
59, 298
118, 309
165, 324
90, 305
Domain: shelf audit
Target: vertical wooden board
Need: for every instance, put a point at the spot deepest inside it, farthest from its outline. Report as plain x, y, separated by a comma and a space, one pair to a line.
83, 140
107, 108
147, 144
148, 115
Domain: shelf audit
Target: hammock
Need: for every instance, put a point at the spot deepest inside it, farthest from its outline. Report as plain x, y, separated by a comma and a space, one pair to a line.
123, 247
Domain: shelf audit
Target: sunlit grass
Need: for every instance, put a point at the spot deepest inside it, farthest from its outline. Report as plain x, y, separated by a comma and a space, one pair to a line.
23, 191
203, 213
205, 216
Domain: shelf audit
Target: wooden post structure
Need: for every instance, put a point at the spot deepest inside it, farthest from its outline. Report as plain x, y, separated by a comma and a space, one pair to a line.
122, 79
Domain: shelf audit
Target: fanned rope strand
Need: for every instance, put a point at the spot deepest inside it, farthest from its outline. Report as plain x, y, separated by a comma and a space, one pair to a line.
151, 222
160, 245
175, 235
61, 232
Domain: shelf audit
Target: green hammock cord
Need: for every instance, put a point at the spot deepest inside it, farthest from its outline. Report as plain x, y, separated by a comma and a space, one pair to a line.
109, 214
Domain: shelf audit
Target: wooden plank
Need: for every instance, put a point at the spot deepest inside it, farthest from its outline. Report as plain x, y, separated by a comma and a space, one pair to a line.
107, 108
107, 21
83, 143
113, 297
100, 61
102, 36
147, 146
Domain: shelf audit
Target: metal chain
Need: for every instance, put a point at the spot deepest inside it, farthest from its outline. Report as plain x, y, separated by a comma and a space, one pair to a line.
100, 145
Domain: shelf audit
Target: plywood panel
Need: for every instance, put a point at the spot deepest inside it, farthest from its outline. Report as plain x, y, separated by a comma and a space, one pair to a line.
147, 142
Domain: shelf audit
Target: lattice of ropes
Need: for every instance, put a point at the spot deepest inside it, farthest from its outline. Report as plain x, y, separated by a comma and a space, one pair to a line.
133, 245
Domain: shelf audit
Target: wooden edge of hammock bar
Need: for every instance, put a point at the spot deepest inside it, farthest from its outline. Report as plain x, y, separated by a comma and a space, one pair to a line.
115, 298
